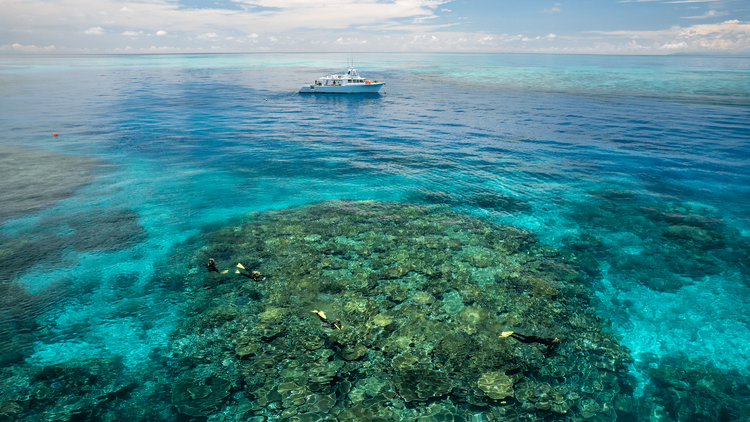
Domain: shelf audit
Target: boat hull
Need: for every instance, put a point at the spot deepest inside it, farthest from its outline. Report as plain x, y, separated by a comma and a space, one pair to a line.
371, 88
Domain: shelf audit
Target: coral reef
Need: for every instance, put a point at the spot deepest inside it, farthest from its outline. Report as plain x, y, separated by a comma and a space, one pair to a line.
681, 389
373, 311
480, 198
421, 293
199, 397
86, 390
33, 179
663, 246
106, 229
496, 385
19, 310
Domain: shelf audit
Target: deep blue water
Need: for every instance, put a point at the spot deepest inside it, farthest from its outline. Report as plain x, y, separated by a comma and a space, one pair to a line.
623, 149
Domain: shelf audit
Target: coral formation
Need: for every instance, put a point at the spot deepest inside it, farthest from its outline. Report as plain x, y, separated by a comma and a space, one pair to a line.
19, 310
663, 246
481, 198
684, 390
86, 390
422, 294
199, 398
376, 311
107, 229
33, 179
496, 385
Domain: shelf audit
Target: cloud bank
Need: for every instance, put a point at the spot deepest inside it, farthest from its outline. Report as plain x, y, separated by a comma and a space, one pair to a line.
76, 26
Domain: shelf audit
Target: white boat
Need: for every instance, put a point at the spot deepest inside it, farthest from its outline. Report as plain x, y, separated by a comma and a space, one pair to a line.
345, 83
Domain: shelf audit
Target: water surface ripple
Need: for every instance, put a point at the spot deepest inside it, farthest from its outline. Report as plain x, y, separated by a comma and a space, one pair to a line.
640, 164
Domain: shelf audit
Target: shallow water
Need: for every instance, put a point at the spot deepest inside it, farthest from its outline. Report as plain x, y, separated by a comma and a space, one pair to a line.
637, 166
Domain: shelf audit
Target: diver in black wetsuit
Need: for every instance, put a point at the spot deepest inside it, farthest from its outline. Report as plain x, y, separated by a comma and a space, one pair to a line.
254, 275
551, 343
211, 265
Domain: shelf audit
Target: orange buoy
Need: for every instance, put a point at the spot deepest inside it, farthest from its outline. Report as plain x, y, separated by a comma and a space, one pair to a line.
55, 133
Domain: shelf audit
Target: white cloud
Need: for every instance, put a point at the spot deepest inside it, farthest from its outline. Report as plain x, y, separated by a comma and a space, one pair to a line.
709, 14
26, 48
551, 10
308, 22
161, 49
724, 36
94, 30
674, 46
285, 15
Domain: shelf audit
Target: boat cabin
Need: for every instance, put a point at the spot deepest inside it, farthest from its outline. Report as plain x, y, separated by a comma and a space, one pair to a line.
350, 77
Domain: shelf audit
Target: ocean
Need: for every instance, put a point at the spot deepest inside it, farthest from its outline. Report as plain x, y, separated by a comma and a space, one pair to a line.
634, 171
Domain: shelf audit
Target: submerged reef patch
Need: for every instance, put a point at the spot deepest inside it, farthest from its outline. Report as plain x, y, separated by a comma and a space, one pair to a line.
420, 295
94, 389
681, 389
481, 198
19, 313
33, 179
45, 243
662, 246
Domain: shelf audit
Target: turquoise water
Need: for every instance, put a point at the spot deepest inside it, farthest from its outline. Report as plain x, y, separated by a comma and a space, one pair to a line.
636, 166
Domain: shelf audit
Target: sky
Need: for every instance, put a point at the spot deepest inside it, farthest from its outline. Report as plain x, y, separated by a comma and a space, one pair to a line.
490, 26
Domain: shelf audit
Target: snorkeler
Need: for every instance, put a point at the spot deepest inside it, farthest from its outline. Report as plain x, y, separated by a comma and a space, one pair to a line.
327, 323
551, 343
254, 275
211, 265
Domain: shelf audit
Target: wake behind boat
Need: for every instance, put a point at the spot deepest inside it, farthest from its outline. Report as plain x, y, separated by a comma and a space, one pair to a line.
346, 83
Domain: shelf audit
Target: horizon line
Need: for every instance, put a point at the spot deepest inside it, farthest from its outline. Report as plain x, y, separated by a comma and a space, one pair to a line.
154, 53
